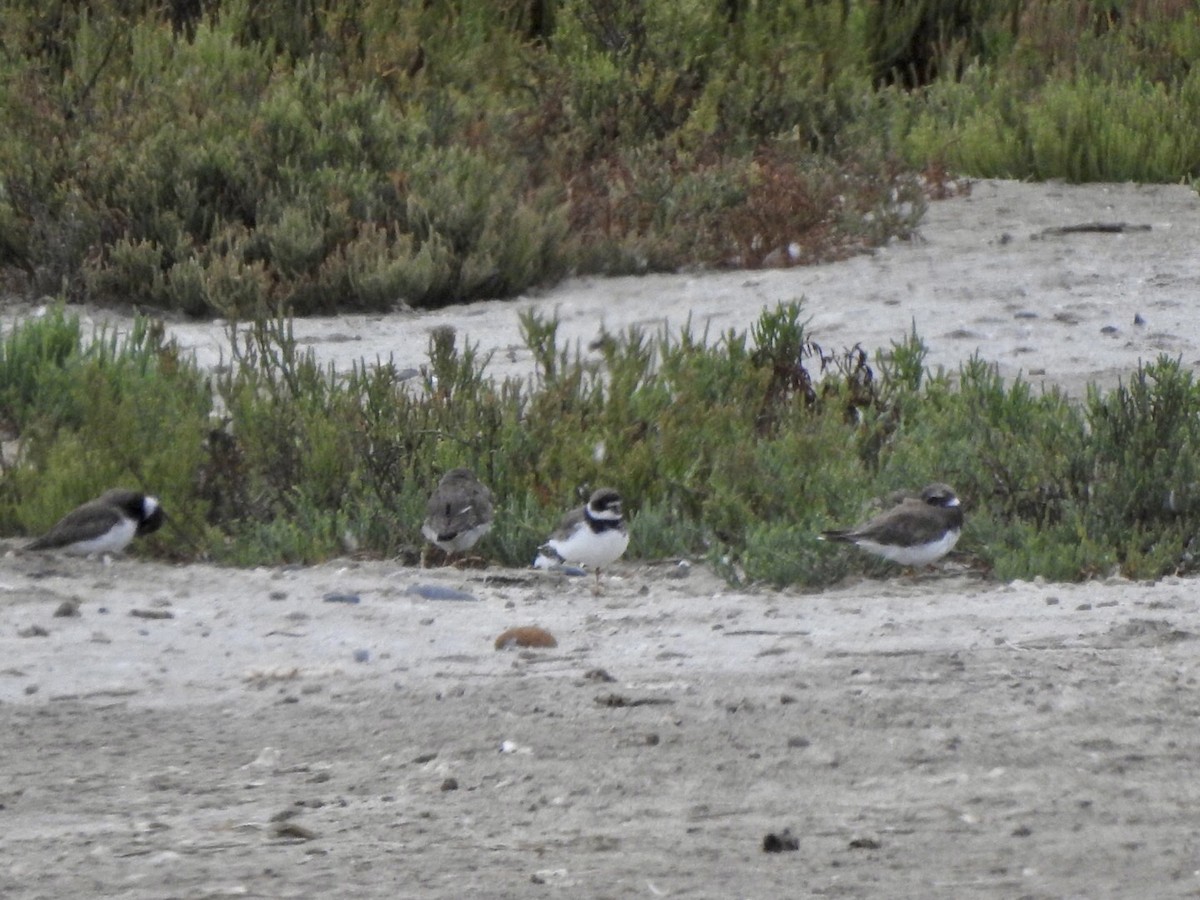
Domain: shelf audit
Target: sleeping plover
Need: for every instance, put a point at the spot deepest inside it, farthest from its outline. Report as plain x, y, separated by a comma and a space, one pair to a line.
459, 512
593, 535
104, 525
915, 531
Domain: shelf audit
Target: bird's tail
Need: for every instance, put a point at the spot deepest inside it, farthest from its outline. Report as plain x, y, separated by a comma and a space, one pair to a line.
547, 558
837, 535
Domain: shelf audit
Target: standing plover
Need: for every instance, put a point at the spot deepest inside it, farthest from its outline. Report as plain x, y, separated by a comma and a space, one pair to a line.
915, 531
459, 512
104, 525
593, 535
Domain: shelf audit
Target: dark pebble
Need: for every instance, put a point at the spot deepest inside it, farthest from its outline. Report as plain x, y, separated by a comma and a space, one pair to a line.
292, 831
779, 843
439, 592
334, 597
865, 843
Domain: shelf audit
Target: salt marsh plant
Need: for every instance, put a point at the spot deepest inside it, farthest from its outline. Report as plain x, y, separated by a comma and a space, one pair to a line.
90, 414
241, 159
737, 448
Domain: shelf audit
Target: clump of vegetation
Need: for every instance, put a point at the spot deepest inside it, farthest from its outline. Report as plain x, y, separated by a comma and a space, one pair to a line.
245, 160
95, 412
737, 448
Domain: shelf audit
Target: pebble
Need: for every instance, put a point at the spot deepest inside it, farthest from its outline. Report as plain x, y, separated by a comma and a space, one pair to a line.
525, 636
440, 592
681, 569
294, 831
864, 843
334, 597
778, 843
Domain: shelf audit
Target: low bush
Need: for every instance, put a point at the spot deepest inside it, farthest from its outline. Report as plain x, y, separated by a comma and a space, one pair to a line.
736, 448
95, 413
246, 160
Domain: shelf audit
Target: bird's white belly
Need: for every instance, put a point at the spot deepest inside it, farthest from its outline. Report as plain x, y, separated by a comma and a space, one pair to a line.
464, 540
920, 555
114, 540
592, 549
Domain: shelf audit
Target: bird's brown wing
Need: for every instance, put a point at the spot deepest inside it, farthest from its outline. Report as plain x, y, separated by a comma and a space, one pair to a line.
80, 524
908, 524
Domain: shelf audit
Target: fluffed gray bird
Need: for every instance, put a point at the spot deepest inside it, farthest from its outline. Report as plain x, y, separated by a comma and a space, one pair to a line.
459, 512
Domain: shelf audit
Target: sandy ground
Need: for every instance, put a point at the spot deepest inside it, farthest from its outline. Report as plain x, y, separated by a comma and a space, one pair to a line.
320, 732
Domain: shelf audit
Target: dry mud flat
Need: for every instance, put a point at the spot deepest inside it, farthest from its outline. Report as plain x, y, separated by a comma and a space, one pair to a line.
928, 737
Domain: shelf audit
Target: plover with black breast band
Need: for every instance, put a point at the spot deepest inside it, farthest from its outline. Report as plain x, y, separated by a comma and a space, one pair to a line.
594, 535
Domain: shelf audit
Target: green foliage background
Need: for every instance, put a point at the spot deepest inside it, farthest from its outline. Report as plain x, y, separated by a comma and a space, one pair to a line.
249, 158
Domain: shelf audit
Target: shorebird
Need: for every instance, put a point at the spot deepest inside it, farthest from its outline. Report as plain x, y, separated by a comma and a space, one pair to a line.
593, 535
459, 512
915, 531
104, 525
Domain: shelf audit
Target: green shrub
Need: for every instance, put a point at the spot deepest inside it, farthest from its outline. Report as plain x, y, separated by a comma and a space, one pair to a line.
738, 448
116, 410
251, 160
